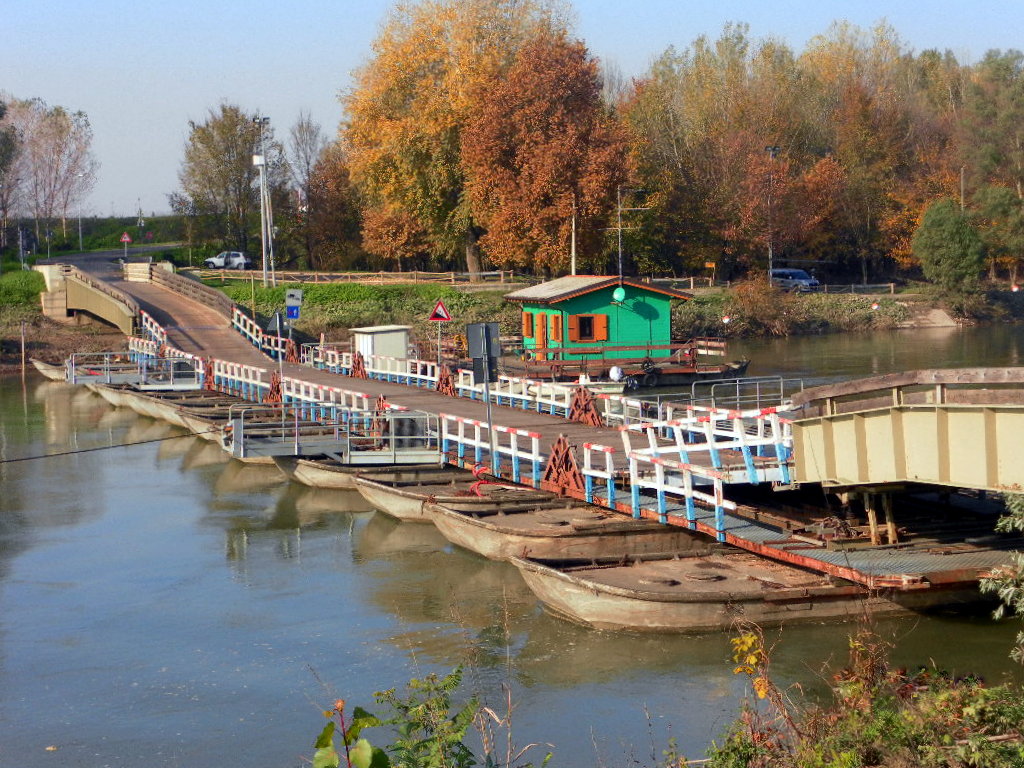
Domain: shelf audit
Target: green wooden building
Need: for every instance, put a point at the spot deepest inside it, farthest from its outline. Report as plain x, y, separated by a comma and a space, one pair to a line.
591, 313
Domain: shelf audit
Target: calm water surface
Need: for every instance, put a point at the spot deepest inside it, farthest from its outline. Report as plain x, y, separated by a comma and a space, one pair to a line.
162, 606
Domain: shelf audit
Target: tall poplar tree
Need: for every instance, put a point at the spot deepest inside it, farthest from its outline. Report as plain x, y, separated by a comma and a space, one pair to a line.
218, 176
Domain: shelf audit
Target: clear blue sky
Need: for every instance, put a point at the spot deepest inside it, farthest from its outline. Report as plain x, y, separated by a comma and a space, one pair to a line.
141, 70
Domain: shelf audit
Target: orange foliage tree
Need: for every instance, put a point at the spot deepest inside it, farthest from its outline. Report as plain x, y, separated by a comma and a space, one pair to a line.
540, 145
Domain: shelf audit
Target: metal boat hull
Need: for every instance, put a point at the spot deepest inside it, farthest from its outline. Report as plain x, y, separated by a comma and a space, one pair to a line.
685, 602
581, 532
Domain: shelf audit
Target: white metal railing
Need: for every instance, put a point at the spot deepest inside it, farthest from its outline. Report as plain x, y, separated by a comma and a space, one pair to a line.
598, 469
142, 371
356, 436
618, 410
528, 394
139, 347
246, 381
470, 442
696, 430
152, 328
272, 344
649, 472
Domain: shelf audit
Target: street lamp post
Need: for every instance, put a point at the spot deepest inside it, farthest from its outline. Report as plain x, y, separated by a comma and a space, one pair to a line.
772, 151
266, 216
80, 249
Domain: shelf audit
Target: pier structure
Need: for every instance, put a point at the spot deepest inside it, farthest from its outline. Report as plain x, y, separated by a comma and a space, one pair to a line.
675, 464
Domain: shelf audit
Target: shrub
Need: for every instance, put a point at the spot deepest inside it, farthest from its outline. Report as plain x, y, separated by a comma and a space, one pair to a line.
21, 288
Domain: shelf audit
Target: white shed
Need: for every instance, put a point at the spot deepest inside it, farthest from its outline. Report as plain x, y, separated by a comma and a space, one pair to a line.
386, 340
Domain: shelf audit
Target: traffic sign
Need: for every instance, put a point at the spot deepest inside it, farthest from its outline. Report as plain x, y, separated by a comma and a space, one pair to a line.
292, 310
440, 313
126, 238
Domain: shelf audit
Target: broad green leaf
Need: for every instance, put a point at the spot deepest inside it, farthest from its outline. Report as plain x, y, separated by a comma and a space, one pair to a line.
326, 737
361, 754
326, 758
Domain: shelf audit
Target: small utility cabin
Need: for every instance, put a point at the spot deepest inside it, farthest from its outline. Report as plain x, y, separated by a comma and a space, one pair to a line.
608, 326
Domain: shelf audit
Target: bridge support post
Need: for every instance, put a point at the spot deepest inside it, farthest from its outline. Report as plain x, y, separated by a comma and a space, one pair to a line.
869, 509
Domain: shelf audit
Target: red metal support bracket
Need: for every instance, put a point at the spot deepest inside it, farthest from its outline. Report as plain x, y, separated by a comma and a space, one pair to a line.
583, 408
562, 473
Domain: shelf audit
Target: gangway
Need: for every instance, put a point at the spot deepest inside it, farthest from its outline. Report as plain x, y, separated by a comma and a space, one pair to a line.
349, 436
143, 373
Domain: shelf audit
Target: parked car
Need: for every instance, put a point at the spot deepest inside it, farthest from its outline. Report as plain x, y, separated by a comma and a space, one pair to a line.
228, 260
794, 280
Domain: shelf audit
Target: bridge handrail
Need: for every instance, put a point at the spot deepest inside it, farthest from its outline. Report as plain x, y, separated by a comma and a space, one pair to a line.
69, 270
265, 342
194, 290
455, 440
939, 377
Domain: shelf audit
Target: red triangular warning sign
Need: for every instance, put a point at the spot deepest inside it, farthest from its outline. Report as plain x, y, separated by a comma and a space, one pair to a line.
440, 313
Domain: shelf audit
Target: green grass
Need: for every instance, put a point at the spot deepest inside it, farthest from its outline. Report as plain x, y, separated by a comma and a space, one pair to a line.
332, 308
21, 289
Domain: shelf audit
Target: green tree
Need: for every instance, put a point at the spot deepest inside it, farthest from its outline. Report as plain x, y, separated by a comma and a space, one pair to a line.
218, 176
949, 248
8, 182
993, 121
1000, 215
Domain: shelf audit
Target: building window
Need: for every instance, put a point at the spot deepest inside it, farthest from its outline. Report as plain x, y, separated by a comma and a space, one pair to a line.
588, 327
555, 327
527, 324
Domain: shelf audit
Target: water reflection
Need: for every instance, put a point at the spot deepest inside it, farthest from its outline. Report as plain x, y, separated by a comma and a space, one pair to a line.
165, 604
822, 359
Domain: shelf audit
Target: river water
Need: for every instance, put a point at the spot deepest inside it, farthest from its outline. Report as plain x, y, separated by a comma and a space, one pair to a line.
162, 606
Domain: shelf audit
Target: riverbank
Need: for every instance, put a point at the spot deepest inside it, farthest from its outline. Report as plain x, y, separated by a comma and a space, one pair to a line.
747, 311
48, 340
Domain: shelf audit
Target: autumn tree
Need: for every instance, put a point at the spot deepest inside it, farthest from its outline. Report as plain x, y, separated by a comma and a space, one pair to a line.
541, 145
333, 217
217, 174
413, 99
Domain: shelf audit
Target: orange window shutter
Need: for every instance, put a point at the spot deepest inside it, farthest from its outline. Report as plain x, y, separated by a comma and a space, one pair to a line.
600, 327
574, 327
556, 327
527, 324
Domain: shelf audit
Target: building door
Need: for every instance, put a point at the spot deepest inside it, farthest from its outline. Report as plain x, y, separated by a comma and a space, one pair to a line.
541, 335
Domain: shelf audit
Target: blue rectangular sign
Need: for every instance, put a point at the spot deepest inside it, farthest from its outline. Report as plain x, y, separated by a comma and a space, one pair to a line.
293, 313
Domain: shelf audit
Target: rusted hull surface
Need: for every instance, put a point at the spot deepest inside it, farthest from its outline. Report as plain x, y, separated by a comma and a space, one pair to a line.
694, 606
557, 534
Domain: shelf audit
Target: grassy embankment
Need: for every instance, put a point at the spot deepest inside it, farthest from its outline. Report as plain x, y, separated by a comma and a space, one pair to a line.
44, 338
753, 310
